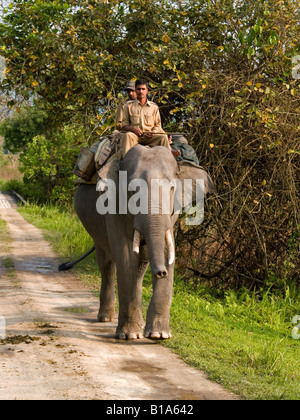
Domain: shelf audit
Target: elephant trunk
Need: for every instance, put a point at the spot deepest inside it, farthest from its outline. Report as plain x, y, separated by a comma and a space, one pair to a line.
156, 252
160, 246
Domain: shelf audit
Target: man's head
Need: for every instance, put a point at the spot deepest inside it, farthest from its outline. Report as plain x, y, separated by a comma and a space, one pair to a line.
130, 89
141, 88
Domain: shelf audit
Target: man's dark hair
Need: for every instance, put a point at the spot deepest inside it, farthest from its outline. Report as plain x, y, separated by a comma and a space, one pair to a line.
141, 82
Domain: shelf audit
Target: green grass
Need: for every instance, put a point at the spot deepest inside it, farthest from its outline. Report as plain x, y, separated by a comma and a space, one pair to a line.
5, 238
6, 261
62, 228
241, 340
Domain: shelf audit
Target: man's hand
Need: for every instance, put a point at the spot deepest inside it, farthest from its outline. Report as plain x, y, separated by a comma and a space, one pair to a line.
137, 131
149, 134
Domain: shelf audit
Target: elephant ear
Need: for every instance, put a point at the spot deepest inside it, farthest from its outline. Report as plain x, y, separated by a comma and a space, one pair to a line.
108, 176
191, 171
110, 171
194, 184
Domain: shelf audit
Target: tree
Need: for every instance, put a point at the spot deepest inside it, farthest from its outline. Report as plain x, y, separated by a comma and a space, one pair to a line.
19, 129
221, 70
47, 166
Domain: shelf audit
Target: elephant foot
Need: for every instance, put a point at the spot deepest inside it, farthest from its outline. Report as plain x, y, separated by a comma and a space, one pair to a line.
157, 328
130, 332
158, 335
108, 316
129, 336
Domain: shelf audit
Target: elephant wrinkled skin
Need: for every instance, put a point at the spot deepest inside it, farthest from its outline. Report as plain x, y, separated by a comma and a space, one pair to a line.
126, 243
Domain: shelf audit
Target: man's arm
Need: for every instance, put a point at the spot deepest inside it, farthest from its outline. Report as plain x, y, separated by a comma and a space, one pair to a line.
157, 122
137, 131
119, 116
126, 123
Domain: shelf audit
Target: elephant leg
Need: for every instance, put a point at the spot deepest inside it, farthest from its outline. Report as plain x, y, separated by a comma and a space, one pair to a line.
107, 292
158, 315
130, 275
130, 322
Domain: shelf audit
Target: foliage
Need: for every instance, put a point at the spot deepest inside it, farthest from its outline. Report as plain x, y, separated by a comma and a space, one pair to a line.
3, 160
47, 165
224, 71
22, 126
8, 165
248, 123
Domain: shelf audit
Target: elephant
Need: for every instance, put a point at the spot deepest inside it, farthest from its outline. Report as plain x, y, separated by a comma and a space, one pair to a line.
128, 239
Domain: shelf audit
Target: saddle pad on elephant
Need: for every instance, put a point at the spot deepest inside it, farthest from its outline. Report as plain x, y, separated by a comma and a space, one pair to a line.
105, 150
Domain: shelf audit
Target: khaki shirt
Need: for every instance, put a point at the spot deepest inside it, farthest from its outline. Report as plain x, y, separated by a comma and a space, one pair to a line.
119, 115
146, 117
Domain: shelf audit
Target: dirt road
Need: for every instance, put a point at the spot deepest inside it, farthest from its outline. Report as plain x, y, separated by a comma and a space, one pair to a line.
55, 349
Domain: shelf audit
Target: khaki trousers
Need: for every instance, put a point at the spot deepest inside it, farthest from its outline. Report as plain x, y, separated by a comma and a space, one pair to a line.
129, 140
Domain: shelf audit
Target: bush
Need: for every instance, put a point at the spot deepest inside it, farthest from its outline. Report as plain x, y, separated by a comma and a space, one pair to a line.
20, 129
47, 166
251, 230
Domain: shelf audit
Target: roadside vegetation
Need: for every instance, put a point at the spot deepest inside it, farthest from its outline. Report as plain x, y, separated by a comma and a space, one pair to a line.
6, 261
227, 73
9, 166
241, 339
5, 238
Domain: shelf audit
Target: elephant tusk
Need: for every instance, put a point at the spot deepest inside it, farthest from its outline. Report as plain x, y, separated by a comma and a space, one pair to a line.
170, 246
136, 241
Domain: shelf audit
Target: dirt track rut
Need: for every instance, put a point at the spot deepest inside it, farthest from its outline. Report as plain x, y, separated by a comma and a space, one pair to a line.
55, 349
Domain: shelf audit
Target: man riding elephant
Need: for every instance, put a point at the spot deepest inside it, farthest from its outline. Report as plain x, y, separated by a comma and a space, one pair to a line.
131, 96
141, 121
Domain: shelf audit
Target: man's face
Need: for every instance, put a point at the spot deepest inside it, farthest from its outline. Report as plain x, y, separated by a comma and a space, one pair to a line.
131, 94
141, 91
